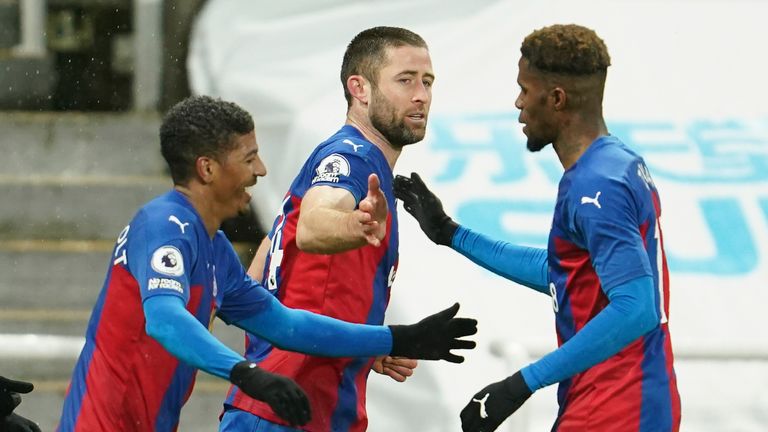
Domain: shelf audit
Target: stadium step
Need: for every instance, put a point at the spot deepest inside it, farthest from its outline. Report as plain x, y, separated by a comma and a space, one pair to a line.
72, 208
58, 275
77, 144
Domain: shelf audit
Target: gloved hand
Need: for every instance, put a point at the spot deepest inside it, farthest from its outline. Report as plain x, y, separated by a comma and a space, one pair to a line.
17, 423
9, 400
282, 394
426, 207
9, 394
492, 405
434, 337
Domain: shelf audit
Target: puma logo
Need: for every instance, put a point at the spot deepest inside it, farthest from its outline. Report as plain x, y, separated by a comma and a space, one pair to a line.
483, 412
590, 200
354, 146
174, 219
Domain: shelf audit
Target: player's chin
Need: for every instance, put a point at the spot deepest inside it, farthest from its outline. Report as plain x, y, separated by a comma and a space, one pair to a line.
534, 144
243, 209
418, 132
412, 137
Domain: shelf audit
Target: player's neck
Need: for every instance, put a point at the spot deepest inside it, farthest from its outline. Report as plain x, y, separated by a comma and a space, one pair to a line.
364, 126
197, 197
574, 139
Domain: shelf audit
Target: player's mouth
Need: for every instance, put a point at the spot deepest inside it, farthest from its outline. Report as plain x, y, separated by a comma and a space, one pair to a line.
417, 117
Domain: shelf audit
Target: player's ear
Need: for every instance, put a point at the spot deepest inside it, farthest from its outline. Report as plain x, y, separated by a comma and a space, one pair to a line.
205, 168
359, 88
559, 98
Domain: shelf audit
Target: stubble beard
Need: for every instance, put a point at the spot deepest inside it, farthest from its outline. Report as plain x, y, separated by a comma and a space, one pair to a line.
535, 145
384, 118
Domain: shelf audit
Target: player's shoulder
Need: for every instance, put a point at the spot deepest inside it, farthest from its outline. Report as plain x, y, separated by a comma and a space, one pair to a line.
347, 142
346, 154
607, 159
166, 205
609, 176
612, 155
169, 212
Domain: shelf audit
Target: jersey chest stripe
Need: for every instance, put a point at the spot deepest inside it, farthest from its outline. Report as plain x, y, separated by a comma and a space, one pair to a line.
108, 378
605, 395
656, 407
346, 411
582, 296
77, 389
381, 283
674, 395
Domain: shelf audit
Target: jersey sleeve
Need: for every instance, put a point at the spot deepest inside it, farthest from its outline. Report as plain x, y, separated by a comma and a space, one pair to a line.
342, 169
160, 256
524, 265
605, 217
243, 296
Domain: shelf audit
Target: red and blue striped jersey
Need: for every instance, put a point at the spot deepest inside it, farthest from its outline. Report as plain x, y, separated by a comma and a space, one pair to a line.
606, 232
124, 380
353, 286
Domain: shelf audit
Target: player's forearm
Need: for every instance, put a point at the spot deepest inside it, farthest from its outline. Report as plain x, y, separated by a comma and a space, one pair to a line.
325, 230
309, 333
256, 269
629, 315
169, 323
524, 265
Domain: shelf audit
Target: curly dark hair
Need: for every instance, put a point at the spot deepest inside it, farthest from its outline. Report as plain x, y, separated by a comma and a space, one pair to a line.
200, 126
568, 49
366, 53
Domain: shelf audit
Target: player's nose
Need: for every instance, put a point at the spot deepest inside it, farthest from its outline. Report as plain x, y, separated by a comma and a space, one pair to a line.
259, 168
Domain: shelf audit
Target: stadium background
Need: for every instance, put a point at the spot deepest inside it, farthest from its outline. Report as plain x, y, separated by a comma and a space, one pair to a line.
83, 84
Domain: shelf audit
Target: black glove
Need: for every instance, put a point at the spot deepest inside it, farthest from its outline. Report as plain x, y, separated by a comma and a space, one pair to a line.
493, 404
423, 205
9, 394
17, 423
434, 337
282, 394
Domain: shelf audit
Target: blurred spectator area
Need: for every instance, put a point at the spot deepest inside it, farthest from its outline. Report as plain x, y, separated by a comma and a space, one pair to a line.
93, 55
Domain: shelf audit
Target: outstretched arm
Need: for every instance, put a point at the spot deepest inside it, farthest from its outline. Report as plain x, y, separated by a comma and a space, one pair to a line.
397, 368
432, 338
256, 269
524, 265
331, 221
168, 322
629, 315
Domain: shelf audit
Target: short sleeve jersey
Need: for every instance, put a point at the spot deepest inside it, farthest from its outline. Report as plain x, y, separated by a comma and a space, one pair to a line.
125, 380
353, 286
606, 232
